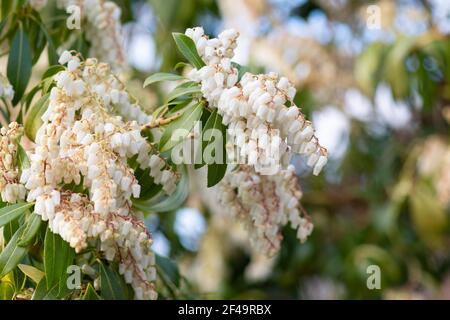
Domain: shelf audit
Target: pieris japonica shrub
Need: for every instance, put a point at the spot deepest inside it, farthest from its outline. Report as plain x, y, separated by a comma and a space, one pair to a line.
82, 164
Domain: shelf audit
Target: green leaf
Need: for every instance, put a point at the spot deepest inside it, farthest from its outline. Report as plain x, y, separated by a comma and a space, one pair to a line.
91, 294
199, 161
186, 122
42, 293
180, 65
157, 77
10, 229
6, 290
12, 254
31, 272
50, 72
9, 213
187, 47
58, 255
23, 162
33, 119
37, 37
185, 89
216, 171
111, 283
31, 229
168, 269
19, 64
174, 201
6, 8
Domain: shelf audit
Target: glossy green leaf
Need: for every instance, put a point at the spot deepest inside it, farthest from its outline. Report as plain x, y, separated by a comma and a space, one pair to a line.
43, 293
91, 294
112, 285
51, 71
33, 119
12, 254
11, 212
186, 122
183, 90
58, 255
31, 229
157, 77
19, 64
168, 269
23, 162
187, 47
10, 229
216, 170
170, 203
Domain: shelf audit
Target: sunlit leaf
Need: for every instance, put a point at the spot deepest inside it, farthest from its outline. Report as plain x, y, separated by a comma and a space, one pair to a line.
185, 123
157, 77
187, 47
31, 272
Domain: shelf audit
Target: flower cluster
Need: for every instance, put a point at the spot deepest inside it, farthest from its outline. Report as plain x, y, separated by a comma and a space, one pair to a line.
6, 89
10, 188
265, 128
264, 123
103, 29
265, 203
82, 143
73, 216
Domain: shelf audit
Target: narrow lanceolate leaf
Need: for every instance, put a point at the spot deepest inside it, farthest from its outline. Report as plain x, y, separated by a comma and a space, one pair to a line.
157, 77
43, 293
31, 228
90, 293
19, 64
183, 124
183, 90
187, 47
167, 268
33, 119
51, 71
31, 272
12, 254
11, 212
112, 285
10, 229
23, 162
58, 255
170, 203
214, 146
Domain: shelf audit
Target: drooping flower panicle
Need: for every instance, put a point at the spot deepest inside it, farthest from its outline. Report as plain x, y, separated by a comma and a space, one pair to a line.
83, 142
265, 128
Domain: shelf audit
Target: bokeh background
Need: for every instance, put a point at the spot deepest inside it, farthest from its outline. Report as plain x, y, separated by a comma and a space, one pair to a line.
379, 97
